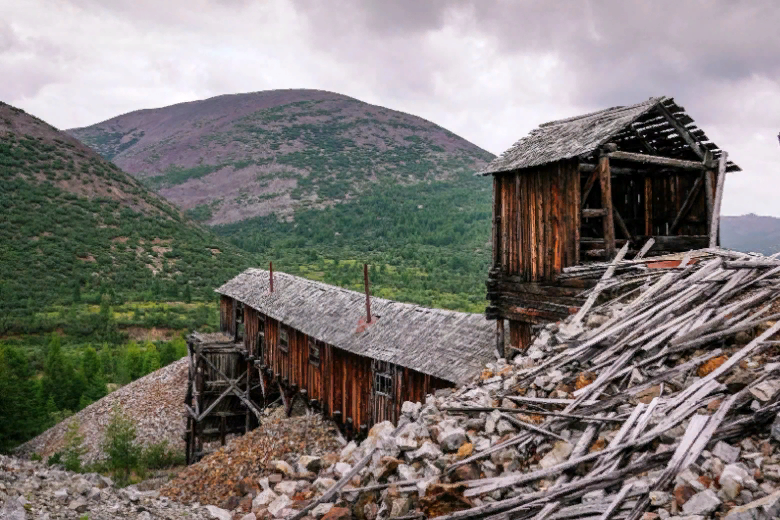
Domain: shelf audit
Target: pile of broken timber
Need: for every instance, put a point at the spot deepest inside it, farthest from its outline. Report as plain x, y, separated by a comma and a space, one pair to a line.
669, 342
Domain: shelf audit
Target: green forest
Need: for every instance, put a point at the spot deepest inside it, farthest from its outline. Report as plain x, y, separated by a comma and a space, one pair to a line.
426, 243
45, 377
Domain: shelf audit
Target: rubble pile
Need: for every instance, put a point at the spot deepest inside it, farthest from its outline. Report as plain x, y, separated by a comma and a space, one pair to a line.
153, 402
31, 490
658, 400
227, 475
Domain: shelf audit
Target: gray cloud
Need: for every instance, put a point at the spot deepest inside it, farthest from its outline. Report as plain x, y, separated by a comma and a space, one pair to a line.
489, 70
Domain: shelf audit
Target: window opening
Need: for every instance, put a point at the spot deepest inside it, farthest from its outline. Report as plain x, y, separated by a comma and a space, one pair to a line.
314, 353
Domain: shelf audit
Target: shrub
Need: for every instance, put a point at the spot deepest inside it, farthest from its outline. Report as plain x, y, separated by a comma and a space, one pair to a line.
36, 457
55, 459
74, 447
119, 444
160, 456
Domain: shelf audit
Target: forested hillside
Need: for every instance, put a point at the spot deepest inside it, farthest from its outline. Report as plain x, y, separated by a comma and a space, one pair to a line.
91, 264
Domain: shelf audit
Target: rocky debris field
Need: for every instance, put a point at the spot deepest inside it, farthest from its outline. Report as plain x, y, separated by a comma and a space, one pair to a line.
31, 490
153, 402
659, 400
226, 476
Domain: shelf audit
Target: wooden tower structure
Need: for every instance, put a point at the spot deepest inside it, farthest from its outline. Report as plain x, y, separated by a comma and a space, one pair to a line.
577, 189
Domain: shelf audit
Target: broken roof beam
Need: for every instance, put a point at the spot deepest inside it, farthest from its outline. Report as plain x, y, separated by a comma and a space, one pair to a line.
654, 159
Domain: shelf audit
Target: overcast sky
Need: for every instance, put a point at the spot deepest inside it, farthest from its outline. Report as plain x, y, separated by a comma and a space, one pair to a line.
487, 70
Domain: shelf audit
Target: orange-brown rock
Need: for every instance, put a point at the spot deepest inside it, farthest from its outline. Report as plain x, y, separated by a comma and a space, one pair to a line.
584, 379
465, 450
711, 365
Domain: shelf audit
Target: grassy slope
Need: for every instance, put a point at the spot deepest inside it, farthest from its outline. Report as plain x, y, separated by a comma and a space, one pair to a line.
73, 219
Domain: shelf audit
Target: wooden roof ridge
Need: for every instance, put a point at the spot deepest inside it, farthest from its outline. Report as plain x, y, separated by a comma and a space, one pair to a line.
658, 122
446, 344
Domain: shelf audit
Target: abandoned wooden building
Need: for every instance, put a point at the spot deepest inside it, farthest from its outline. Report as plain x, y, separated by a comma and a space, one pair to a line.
577, 189
353, 357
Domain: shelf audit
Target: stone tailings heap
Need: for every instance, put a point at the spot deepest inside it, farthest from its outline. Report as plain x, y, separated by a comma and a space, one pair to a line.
660, 402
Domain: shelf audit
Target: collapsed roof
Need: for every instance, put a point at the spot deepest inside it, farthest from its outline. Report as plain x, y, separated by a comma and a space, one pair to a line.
658, 126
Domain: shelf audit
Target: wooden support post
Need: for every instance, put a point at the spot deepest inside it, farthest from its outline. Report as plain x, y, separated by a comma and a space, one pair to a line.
271, 275
588, 187
368, 294
500, 337
715, 222
222, 428
606, 203
648, 206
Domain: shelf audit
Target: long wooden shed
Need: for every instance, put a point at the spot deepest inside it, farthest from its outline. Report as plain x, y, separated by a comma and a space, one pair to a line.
314, 340
577, 189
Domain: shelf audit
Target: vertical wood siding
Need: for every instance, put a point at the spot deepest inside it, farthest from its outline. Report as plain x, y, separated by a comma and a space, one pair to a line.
343, 381
227, 315
539, 221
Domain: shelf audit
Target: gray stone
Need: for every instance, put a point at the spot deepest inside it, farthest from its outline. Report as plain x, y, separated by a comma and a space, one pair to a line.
322, 509
94, 494
277, 507
411, 410
406, 472
766, 390
659, 498
61, 494
79, 505
776, 428
733, 478
249, 516
702, 503
310, 463
323, 484
219, 513
451, 439
558, 454
13, 510
282, 467
504, 427
726, 452
427, 451
286, 487
264, 498
341, 468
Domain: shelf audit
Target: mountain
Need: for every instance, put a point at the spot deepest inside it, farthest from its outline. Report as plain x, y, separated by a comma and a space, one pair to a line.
751, 233
319, 183
74, 222
234, 157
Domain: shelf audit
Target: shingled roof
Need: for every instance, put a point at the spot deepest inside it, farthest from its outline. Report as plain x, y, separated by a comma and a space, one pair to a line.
633, 128
450, 345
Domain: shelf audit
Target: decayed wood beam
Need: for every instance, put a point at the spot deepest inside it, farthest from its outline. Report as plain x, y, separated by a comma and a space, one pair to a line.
588, 186
687, 204
645, 248
606, 203
600, 286
622, 225
648, 203
683, 132
235, 388
521, 424
593, 212
658, 160
715, 221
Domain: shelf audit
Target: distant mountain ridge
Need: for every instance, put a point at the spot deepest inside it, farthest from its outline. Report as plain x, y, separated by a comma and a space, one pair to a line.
234, 157
751, 233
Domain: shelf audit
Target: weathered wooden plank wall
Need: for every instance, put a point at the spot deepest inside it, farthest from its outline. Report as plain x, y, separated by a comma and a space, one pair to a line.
539, 221
227, 316
341, 381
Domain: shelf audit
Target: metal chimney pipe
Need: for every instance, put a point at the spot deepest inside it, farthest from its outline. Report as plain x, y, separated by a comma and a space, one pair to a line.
368, 295
271, 269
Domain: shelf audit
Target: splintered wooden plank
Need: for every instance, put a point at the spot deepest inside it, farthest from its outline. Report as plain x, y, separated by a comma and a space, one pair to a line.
715, 221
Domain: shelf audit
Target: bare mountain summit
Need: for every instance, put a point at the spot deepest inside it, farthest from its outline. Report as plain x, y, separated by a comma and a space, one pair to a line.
234, 157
